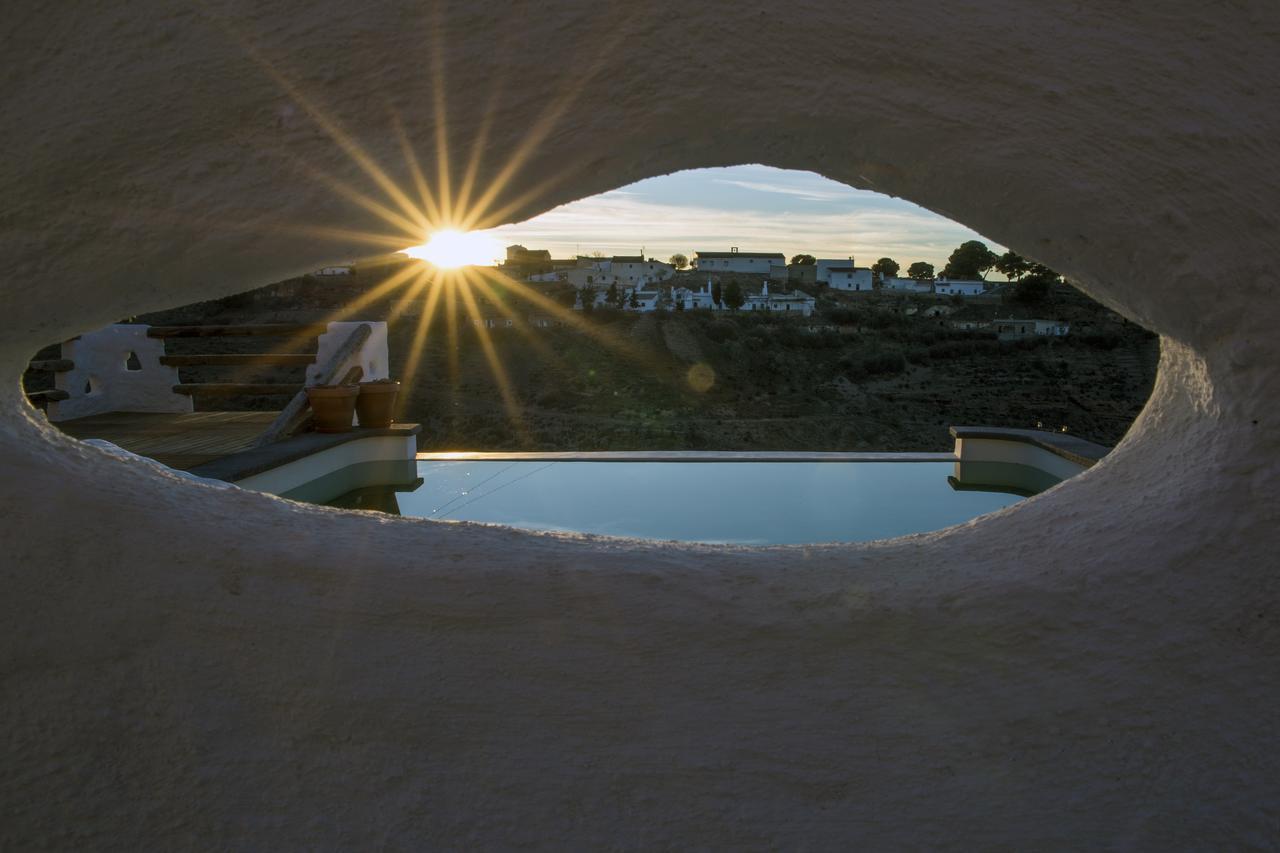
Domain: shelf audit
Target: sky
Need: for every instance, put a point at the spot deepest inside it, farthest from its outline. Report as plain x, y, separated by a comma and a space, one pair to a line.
755, 208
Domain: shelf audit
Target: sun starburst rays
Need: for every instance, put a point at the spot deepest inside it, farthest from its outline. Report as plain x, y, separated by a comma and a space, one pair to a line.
426, 215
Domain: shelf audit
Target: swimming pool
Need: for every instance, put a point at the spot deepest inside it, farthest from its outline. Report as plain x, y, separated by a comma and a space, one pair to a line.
729, 502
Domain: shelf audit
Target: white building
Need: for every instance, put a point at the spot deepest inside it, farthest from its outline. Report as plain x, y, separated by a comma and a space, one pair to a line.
626, 271
949, 287
591, 272
850, 278
772, 264
798, 302
633, 271
1053, 328
696, 299
823, 266
645, 300
1012, 329
334, 271
906, 285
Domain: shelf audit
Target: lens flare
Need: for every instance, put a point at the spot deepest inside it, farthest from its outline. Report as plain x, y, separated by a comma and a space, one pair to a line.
449, 249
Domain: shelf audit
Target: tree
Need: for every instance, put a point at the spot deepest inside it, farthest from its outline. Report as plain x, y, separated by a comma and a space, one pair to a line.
1012, 265
803, 260
970, 261
612, 297
733, 296
634, 304
1039, 270
588, 297
566, 295
678, 261
1035, 285
717, 295
1030, 289
886, 267
920, 271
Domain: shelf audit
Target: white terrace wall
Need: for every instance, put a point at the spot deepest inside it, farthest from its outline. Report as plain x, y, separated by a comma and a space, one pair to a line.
373, 356
103, 381
188, 667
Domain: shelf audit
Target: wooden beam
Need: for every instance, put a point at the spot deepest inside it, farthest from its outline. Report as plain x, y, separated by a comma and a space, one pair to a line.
298, 412
225, 389
52, 365
228, 359
311, 330
48, 396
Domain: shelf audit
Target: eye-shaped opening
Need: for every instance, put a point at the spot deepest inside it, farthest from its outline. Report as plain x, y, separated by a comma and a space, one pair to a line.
883, 371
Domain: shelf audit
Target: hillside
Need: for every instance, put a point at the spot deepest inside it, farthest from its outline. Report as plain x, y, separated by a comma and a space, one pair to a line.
865, 373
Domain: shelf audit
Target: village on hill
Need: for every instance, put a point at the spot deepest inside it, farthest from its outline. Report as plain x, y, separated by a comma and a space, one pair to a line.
765, 281
847, 366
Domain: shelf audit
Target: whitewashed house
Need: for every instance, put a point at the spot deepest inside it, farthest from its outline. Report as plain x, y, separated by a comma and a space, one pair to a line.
591, 272
696, 299
906, 285
850, 278
823, 266
635, 270
773, 264
333, 271
1014, 329
626, 271
646, 300
799, 303
950, 287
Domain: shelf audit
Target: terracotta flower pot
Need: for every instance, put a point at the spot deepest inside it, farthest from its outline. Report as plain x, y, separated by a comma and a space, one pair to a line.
377, 403
332, 406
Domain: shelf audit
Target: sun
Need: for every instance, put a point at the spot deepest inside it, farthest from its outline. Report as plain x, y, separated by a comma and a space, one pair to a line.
451, 248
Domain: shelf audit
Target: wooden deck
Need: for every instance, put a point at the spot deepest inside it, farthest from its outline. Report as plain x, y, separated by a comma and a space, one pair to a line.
177, 440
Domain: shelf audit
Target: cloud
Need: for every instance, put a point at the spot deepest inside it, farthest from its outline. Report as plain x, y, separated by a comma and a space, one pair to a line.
795, 191
858, 222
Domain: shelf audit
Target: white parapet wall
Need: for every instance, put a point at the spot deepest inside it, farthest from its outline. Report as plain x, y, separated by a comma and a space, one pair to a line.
117, 369
297, 474
1018, 453
373, 357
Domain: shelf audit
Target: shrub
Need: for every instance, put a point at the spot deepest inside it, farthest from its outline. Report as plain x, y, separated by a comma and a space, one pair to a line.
722, 330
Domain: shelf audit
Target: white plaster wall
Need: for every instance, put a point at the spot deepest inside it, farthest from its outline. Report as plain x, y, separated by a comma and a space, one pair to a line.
761, 266
822, 271
1019, 453
291, 475
373, 357
102, 382
1095, 667
856, 280
909, 285
963, 288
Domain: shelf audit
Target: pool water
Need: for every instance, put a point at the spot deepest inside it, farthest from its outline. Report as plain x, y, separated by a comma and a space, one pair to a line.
747, 503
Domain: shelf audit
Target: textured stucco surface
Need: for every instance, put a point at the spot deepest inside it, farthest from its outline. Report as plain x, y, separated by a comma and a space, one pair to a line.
191, 667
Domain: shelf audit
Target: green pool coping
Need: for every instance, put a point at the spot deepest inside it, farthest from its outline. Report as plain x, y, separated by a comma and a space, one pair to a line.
1073, 449
681, 456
